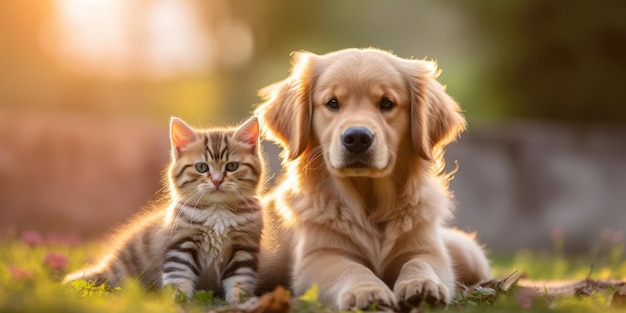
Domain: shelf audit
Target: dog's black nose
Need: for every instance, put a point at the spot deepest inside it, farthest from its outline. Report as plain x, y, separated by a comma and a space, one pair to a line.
357, 139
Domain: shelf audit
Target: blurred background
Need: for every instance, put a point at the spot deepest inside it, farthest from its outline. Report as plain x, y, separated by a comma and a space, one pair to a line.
87, 88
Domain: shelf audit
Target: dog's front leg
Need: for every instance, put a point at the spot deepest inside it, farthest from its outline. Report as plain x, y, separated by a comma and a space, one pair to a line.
342, 281
427, 278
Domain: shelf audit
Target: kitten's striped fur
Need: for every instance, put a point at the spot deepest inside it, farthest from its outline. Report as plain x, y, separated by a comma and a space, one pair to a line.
208, 234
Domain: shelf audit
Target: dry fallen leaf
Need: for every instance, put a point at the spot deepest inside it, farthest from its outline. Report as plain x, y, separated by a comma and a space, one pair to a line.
277, 301
619, 297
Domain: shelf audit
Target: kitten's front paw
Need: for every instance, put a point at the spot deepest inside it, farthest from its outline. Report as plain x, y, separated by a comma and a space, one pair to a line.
182, 292
237, 295
416, 291
363, 296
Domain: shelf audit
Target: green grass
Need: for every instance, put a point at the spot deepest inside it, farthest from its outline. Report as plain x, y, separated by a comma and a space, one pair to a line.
30, 277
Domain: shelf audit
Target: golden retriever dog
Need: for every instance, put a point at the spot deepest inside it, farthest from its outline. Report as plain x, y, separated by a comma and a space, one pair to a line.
362, 206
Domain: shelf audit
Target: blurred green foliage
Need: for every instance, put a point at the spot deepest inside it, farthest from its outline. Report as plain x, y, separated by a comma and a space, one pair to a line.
30, 282
556, 60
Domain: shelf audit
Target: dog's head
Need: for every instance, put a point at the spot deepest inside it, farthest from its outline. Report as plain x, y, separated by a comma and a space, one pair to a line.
362, 107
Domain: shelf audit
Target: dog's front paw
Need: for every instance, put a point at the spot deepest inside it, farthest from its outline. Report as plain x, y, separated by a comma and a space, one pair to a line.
414, 292
366, 295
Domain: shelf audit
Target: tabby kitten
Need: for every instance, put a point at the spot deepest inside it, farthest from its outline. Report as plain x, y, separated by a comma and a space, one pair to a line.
208, 234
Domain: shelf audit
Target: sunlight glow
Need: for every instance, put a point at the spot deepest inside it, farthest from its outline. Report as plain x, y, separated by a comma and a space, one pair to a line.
160, 38
174, 38
88, 35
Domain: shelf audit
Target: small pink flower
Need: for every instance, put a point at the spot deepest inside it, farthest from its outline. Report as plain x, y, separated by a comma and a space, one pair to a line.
618, 237
612, 236
557, 232
18, 273
525, 297
32, 238
56, 261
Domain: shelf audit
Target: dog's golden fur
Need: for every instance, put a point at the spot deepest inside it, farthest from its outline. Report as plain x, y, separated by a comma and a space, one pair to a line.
368, 226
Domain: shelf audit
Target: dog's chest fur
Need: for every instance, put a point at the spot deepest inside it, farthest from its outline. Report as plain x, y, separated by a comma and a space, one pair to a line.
377, 241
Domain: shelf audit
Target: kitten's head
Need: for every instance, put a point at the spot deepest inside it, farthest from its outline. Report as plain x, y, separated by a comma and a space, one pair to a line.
217, 165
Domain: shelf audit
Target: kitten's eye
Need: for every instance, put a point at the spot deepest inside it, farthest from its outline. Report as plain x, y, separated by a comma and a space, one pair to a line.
202, 167
386, 104
332, 104
232, 166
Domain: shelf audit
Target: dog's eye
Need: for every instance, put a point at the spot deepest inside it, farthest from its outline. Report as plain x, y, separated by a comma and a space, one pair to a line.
332, 104
386, 104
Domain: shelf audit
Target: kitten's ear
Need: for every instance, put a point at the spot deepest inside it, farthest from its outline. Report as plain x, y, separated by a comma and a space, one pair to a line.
248, 132
181, 134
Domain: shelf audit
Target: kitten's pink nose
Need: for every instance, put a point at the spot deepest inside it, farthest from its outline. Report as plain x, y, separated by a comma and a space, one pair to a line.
217, 179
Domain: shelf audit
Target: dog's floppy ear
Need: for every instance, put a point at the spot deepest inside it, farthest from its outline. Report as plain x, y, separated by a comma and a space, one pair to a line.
286, 110
435, 117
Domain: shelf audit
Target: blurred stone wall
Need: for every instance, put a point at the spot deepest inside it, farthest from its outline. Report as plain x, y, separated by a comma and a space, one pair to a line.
519, 185
531, 185
76, 173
